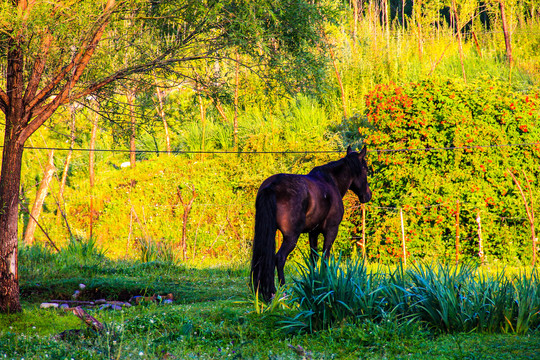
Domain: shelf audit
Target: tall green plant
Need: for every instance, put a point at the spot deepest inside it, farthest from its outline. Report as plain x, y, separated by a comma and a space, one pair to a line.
329, 292
445, 298
83, 251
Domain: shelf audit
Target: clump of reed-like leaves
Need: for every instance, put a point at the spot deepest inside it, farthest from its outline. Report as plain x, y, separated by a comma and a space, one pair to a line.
82, 251
445, 298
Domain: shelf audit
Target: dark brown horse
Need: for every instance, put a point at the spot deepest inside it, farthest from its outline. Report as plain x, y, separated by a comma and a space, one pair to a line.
297, 204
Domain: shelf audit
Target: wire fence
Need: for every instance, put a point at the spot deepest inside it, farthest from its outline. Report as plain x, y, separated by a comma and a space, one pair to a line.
292, 152
227, 219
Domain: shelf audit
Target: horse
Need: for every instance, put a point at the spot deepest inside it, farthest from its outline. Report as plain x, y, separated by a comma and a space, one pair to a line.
296, 204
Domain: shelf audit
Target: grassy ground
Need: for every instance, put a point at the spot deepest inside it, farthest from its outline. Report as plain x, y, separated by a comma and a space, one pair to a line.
213, 316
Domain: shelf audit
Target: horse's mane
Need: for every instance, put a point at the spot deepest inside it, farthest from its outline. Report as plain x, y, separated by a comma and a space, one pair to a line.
351, 161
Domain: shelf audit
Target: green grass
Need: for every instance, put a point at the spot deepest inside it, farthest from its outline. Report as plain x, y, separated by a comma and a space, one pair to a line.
215, 316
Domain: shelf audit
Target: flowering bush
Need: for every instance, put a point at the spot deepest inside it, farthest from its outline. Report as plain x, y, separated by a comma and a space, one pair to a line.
443, 155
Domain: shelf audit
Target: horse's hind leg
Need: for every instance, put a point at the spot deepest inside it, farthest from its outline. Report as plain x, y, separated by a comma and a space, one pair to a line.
313, 240
330, 235
288, 245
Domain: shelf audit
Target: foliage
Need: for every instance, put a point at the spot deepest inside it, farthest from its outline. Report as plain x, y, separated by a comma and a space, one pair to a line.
35, 255
150, 250
442, 150
220, 224
329, 293
83, 251
447, 298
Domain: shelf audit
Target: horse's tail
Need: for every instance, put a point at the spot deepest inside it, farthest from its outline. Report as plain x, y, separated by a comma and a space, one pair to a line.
263, 261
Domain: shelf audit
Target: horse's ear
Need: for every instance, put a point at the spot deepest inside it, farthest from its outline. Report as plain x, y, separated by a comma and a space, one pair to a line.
349, 150
363, 152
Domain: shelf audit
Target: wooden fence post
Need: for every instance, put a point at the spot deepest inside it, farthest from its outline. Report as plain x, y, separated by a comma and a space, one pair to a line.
364, 231
528, 209
480, 246
457, 233
403, 238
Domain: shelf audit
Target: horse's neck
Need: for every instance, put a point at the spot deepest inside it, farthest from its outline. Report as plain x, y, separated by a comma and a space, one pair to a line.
343, 186
338, 173
342, 179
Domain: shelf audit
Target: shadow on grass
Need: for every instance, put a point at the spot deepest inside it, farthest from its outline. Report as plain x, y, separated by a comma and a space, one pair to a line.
121, 281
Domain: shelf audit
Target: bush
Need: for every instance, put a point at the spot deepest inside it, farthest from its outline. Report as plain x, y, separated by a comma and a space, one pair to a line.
441, 151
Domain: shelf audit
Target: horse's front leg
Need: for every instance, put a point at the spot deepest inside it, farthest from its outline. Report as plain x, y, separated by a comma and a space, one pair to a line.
288, 245
330, 235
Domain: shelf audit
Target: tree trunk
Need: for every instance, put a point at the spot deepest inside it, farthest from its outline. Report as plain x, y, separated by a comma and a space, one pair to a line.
418, 18
161, 112
457, 233
10, 179
235, 120
460, 43
132, 146
480, 242
91, 173
67, 162
203, 121
40, 199
507, 39
403, 14
220, 109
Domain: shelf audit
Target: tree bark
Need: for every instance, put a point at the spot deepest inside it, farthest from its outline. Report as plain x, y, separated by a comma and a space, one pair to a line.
40, 199
203, 120
91, 170
235, 120
460, 43
457, 233
417, 18
161, 112
10, 180
9, 200
67, 162
132, 146
507, 40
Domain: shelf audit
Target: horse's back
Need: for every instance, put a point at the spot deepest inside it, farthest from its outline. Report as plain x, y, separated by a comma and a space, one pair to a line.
303, 201
286, 187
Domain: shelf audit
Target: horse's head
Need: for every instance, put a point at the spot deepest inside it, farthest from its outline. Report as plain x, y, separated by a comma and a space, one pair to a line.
359, 184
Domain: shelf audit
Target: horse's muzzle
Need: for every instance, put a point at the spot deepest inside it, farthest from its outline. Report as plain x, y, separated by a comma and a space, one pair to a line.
365, 197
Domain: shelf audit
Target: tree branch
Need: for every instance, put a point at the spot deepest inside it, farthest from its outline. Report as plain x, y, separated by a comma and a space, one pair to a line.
78, 64
78, 59
37, 70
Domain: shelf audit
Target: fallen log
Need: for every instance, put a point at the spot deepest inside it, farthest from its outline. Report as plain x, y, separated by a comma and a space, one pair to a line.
89, 320
72, 302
